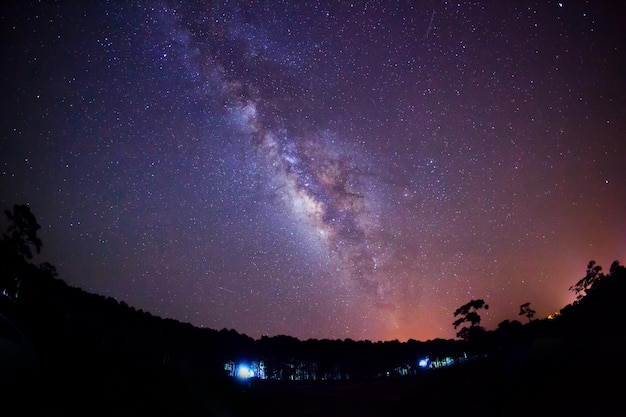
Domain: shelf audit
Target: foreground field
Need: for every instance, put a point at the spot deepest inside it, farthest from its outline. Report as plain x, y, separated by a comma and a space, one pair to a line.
546, 379
481, 389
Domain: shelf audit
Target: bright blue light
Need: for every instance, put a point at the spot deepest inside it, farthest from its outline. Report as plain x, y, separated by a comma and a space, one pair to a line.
423, 363
244, 372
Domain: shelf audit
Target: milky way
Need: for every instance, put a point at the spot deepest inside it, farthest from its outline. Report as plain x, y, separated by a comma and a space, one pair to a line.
316, 169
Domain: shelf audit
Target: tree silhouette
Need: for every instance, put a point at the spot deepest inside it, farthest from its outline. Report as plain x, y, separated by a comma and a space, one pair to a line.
468, 313
525, 310
616, 269
16, 248
591, 278
21, 233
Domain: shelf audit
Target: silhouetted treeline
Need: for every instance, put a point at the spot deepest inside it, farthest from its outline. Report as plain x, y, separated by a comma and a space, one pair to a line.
70, 323
100, 346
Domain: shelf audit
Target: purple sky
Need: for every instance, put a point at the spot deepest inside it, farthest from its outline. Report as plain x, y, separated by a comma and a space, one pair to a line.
319, 170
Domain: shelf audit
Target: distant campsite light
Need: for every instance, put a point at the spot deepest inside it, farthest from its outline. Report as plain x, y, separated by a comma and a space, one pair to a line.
244, 372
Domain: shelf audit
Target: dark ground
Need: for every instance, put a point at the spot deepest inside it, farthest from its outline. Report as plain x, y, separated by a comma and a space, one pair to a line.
545, 379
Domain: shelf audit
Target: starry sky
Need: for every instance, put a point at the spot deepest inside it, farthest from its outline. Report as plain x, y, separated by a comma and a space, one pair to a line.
319, 169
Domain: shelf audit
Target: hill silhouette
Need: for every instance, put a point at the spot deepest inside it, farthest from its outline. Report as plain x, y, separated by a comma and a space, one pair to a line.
94, 355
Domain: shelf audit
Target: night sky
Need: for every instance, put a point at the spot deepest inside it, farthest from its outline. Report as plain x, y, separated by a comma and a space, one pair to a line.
320, 170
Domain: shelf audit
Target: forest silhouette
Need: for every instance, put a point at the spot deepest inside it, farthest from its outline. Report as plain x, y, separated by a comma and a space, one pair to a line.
94, 355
